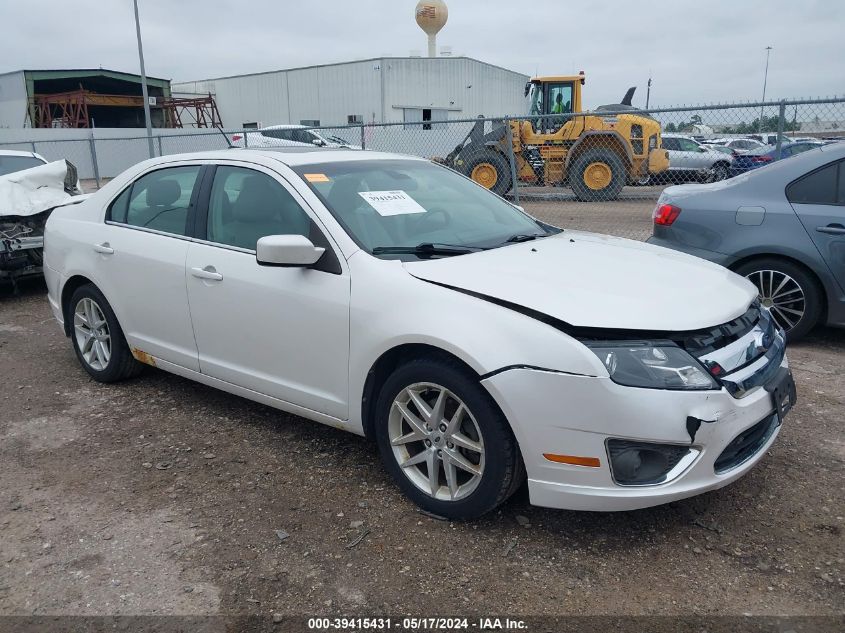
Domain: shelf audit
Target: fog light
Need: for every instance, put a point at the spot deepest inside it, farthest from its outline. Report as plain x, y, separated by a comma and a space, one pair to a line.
645, 463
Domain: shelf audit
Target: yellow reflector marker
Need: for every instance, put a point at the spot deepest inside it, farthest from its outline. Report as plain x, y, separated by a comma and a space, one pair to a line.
317, 178
592, 462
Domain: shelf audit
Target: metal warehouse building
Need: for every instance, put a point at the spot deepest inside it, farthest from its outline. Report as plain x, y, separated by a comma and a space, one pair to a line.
384, 89
78, 98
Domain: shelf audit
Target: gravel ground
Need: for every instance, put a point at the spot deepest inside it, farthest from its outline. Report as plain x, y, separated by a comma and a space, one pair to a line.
162, 496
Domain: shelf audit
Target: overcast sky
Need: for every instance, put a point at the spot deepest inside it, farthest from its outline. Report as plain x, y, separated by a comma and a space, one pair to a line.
696, 52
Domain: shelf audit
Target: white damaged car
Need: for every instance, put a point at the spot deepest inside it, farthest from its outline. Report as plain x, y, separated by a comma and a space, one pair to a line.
396, 299
30, 188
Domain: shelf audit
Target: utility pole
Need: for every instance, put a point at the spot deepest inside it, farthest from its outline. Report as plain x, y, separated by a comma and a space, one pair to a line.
648, 91
765, 78
144, 83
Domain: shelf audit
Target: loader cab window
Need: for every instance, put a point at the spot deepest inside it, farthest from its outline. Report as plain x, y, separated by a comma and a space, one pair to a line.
535, 96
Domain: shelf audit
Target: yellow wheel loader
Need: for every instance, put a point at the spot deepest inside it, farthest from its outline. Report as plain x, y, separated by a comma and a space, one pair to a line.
594, 154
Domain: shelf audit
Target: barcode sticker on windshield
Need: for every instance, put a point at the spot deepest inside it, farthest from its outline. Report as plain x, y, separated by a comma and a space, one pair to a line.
391, 202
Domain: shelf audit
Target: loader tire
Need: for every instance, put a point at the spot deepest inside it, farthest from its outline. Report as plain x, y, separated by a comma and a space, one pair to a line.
490, 170
596, 175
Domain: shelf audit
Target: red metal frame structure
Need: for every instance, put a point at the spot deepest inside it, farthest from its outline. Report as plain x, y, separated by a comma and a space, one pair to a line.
71, 109
201, 111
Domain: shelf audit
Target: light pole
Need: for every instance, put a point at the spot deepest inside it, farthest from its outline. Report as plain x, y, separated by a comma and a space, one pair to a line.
144, 83
765, 78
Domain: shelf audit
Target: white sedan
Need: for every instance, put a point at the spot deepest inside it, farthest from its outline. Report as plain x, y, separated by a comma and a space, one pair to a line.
396, 299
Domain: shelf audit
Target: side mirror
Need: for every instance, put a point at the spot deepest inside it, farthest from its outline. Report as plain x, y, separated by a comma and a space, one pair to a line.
287, 250
318, 142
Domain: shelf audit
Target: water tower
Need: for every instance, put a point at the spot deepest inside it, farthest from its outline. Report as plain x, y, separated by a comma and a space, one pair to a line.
431, 16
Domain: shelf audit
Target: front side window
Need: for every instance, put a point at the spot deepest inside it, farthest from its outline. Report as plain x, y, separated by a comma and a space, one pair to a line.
687, 145
246, 205
818, 187
403, 204
158, 200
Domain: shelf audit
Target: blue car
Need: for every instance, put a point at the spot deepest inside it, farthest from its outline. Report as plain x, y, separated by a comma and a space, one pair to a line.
765, 155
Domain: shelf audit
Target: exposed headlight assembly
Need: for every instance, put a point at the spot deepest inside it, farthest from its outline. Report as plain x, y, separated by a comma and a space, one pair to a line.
653, 365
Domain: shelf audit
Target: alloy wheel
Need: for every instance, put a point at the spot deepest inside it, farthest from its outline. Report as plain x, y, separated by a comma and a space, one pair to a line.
781, 294
436, 441
92, 334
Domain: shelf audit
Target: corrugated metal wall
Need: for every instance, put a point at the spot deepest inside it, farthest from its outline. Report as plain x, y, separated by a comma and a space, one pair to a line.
13, 100
376, 89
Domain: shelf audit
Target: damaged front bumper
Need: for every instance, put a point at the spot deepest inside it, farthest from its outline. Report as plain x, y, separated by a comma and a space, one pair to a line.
582, 437
561, 414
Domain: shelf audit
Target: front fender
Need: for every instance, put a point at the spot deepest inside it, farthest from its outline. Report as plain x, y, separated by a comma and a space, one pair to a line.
392, 308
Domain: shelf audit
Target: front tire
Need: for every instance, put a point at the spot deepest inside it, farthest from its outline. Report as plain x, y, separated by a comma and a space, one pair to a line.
597, 175
97, 337
489, 169
789, 291
444, 440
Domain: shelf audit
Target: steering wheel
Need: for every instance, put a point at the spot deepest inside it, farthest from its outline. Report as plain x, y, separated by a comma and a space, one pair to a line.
428, 218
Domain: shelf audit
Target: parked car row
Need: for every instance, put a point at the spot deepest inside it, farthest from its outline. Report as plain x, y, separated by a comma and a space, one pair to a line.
266, 273
782, 227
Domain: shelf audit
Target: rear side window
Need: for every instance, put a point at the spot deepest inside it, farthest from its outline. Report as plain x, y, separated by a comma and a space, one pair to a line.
158, 200
822, 186
670, 143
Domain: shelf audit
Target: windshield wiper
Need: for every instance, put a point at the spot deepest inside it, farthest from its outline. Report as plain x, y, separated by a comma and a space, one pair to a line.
426, 249
514, 239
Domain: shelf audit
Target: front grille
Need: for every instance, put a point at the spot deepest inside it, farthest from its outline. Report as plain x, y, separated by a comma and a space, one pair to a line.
746, 444
703, 342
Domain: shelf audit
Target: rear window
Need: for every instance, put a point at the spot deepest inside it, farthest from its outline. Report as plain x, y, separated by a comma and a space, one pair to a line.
11, 164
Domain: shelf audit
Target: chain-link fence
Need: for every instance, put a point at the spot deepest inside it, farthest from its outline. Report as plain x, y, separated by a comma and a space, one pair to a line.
600, 170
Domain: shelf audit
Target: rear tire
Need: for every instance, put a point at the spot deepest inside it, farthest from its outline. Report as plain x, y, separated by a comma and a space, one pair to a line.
97, 337
793, 294
486, 468
489, 169
597, 175
719, 171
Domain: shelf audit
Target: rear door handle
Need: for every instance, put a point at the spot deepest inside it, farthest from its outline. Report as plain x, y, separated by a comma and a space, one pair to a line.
209, 272
832, 229
104, 249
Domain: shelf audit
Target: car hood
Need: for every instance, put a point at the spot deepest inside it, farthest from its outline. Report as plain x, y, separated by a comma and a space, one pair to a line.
597, 281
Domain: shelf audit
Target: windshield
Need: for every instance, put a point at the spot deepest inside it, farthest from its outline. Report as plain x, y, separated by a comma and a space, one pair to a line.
11, 164
403, 204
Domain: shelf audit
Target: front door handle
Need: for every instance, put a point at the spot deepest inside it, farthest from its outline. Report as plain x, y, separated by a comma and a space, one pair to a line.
832, 229
104, 248
209, 273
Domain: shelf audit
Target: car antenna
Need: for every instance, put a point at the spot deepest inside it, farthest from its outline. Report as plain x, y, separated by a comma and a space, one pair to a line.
228, 142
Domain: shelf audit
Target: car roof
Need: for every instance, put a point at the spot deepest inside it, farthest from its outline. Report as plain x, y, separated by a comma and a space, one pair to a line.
15, 152
283, 126
292, 156
675, 135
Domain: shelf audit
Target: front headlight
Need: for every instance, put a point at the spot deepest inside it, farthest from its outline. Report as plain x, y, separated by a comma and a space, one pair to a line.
655, 365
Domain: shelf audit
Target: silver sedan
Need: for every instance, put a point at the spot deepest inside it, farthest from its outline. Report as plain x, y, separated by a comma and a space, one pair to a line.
781, 226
